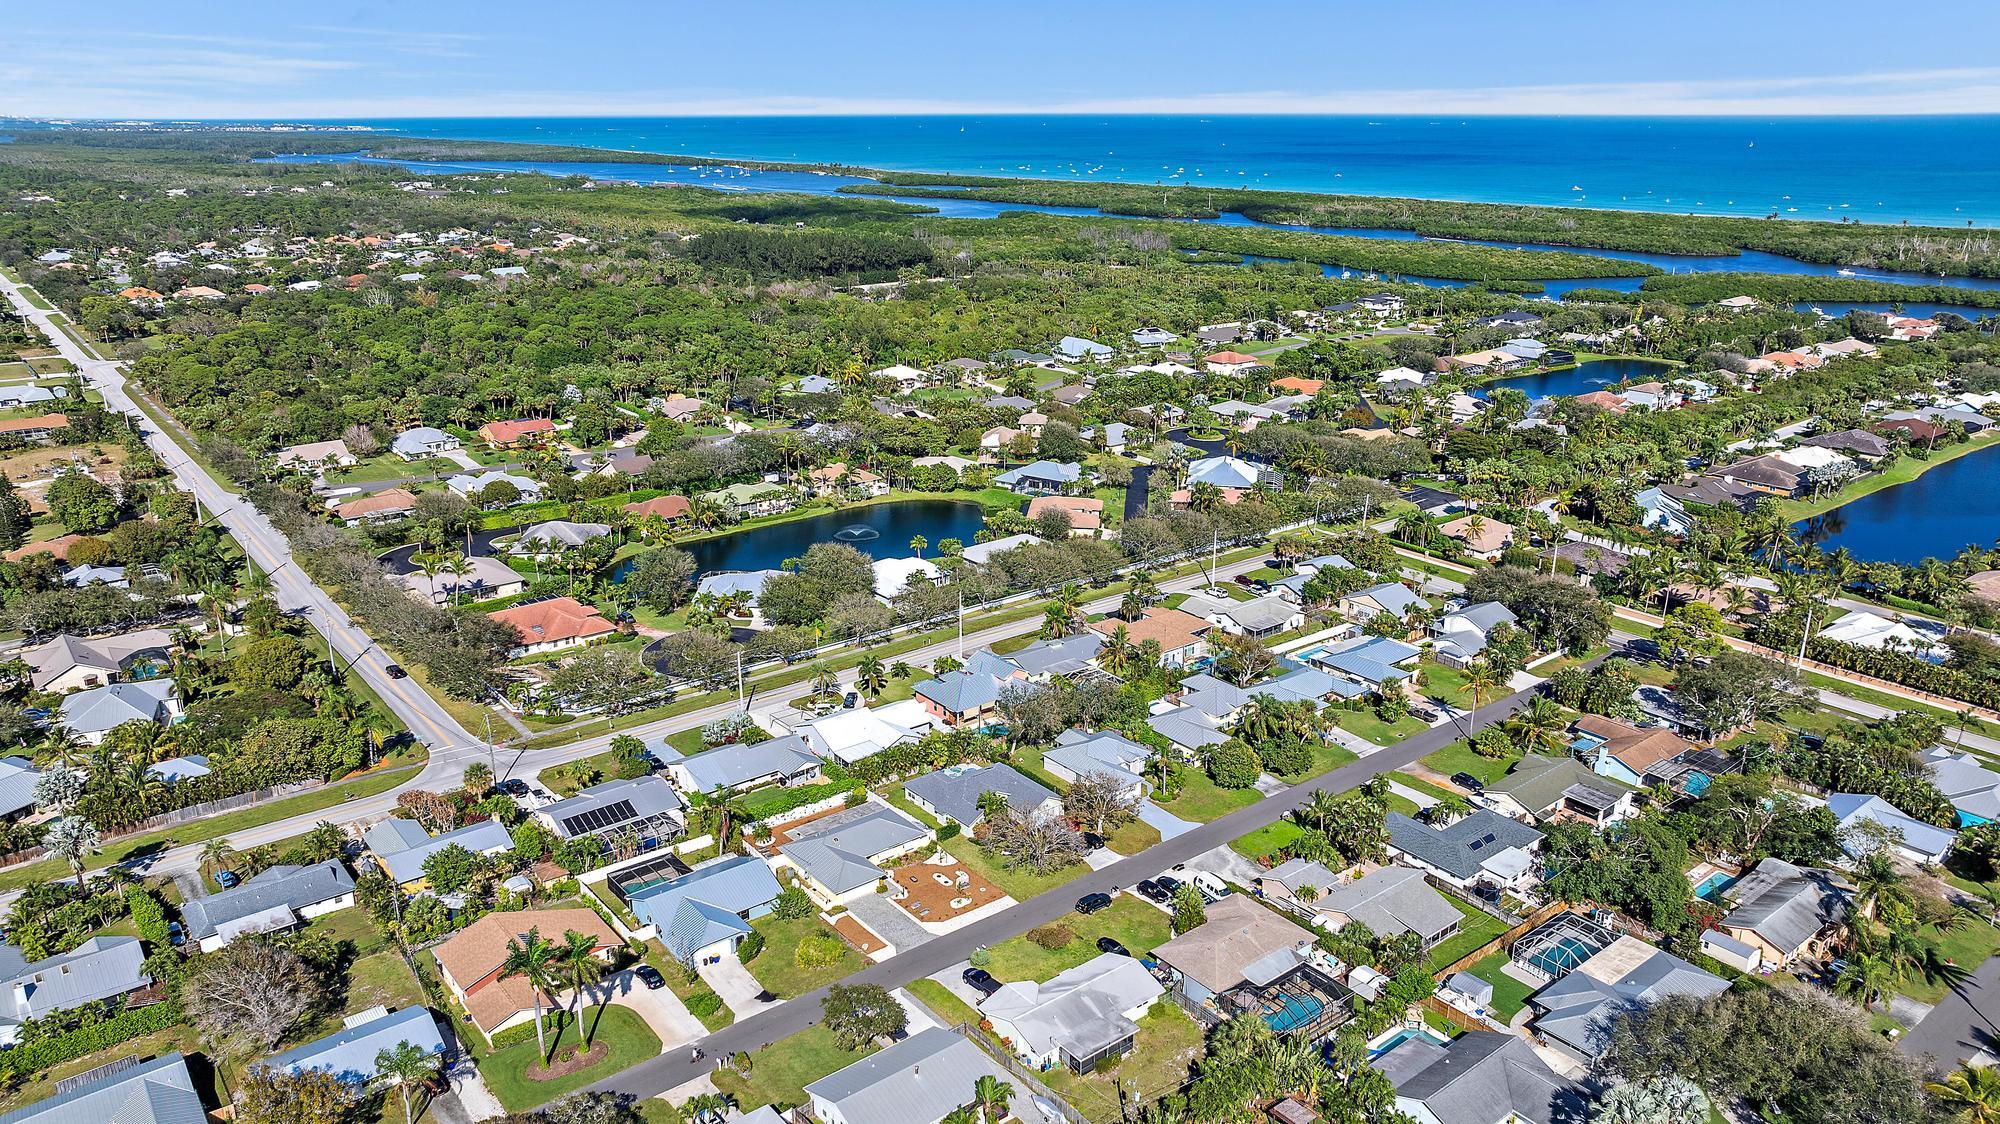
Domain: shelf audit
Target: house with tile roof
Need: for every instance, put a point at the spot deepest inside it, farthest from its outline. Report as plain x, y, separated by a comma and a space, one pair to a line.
507, 434
1085, 513
1481, 537
707, 911
1182, 637
672, 509
553, 624
387, 504
473, 961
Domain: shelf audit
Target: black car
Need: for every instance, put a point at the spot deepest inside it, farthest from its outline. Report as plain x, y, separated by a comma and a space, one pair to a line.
396, 671
850, 699
1106, 944
1468, 782
1091, 903
980, 980
650, 976
1093, 841
1168, 884
1152, 891
514, 787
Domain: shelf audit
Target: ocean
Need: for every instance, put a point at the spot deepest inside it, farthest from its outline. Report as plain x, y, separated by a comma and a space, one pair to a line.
1930, 170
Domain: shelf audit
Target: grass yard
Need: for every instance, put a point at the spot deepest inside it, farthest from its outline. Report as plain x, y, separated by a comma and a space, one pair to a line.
1267, 840
1139, 926
1509, 994
1968, 945
1401, 804
629, 1039
777, 967
1132, 838
678, 983
1408, 780
1326, 757
41, 1086
1905, 469
1365, 724
1447, 684
567, 778
780, 1072
1202, 800
1459, 758
1167, 1044
1018, 883
1477, 929
946, 1006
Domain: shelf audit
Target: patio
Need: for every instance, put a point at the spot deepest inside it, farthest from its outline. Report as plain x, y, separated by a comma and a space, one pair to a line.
931, 890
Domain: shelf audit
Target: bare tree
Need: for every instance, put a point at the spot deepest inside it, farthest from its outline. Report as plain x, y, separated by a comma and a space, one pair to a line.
1098, 800
249, 993
1039, 841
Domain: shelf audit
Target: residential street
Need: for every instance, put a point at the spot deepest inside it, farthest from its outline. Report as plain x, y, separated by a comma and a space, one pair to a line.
1965, 1022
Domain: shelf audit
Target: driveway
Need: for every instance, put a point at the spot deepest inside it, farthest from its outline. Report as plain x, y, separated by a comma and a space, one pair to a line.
1966, 1022
1163, 821
738, 988
889, 921
661, 1008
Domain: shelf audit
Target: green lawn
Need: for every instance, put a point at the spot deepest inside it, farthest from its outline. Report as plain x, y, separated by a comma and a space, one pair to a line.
1459, 758
1906, 469
1137, 925
1477, 929
780, 1072
1968, 945
1509, 994
630, 1040
1167, 1044
679, 985
41, 1086
1267, 840
946, 1006
1133, 838
1411, 781
1446, 684
1202, 800
1365, 724
777, 967
1326, 757
1018, 883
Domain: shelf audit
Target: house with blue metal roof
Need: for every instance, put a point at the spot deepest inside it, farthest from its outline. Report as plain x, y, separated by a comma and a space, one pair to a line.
747, 765
160, 1091
1078, 752
400, 847
349, 1053
964, 697
1076, 348
708, 910
1371, 661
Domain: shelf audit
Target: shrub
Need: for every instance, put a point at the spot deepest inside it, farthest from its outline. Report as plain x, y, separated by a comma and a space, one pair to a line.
1288, 757
819, 950
702, 1004
1051, 937
552, 1021
981, 957
46, 1053
148, 916
948, 831
1233, 765
1493, 742
792, 905
750, 946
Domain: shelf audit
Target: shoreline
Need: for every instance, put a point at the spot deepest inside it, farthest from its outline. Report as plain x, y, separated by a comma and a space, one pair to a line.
1797, 511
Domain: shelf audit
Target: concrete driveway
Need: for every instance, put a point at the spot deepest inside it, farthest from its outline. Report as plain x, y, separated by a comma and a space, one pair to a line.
662, 1009
738, 988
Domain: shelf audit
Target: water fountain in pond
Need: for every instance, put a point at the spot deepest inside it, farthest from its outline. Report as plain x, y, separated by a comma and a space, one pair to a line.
856, 533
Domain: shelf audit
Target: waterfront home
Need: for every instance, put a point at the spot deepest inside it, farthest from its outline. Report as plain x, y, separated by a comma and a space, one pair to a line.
1077, 1018
1461, 635
315, 455
958, 465
953, 794
275, 900
1526, 323
1240, 937
71, 663
1971, 787
1229, 362
390, 503
158, 1091
705, 913
743, 766
1738, 304
1000, 438
92, 714
553, 624
1227, 472
481, 579
980, 553
1489, 362
1912, 838
1041, 478
1859, 442
668, 509
507, 434
1078, 753
1085, 513
750, 500
1390, 900
99, 969
1541, 787
1577, 1013
1181, 636
646, 808
473, 963
401, 847
550, 539
1481, 849
838, 477
1525, 348
471, 485
1779, 913
1482, 1077
1402, 380
1765, 474
919, 1080
1628, 754
841, 857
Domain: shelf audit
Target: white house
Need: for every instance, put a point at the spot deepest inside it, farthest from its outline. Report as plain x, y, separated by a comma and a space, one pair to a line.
1077, 1018
421, 442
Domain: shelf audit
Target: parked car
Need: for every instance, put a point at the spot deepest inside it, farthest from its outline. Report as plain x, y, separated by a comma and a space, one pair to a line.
176, 935
850, 700
1093, 841
227, 879
396, 671
1091, 903
515, 786
1107, 944
1153, 891
650, 976
980, 980
1468, 782
1168, 884
1245, 580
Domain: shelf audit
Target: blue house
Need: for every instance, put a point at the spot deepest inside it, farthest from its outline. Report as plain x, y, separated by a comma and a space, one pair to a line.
1076, 348
706, 912
1634, 755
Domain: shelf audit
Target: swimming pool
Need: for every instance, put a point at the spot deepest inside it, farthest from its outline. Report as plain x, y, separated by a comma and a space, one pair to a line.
1398, 1037
1294, 1012
1560, 955
1714, 886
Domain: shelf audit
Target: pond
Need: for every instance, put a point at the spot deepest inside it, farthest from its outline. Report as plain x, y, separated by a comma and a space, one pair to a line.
1589, 375
1940, 513
879, 531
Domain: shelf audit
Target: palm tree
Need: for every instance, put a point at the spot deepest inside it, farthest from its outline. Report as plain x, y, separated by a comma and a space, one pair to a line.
1973, 1091
1481, 681
1449, 808
1540, 726
576, 958
411, 1068
534, 959
709, 1108
825, 681
215, 853
1116, 654
963, 1114
870, 677
990, 1095
1320, 808
919, 544
1866, 976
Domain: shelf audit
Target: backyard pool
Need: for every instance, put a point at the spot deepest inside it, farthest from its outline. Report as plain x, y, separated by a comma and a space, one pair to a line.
1403, 1034
1712, 888
1560, 955
1293, 1012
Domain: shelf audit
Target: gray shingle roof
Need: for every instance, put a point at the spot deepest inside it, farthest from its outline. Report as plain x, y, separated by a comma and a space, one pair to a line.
1391, 900
1480, 1078
735, 765
1580, 1009
1105, 751
955, 792
1460, 848
915, 1081
160, 1091
834, 851
1539, 781
279, 888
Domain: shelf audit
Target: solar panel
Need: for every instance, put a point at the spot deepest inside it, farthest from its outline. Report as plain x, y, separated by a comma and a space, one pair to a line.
597, 819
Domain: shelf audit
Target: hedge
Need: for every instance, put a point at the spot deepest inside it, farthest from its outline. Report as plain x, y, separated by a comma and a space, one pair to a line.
38, 1057
703, 1004
554, 1021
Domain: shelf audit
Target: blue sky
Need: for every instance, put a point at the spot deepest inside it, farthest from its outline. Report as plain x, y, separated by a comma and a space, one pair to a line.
333, 59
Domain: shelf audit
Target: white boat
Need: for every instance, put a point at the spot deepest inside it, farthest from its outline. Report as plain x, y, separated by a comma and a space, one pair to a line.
1845, 272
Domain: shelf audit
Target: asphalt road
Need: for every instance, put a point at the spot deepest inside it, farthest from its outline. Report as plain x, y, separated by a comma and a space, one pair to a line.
655, 1076
1964, 1023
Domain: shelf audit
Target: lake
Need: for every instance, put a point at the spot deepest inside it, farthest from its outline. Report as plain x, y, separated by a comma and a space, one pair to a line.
1938, 514
880, 530
1589, 375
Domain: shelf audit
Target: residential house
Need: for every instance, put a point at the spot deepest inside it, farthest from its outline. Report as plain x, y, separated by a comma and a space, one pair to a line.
553, 624
646, 808
1306, 684
1041, 478
92, 714
1663, 512
840, 857
390, 503
276, 900
1543, 788
550, 539
1484, 848
980, 553
78, 577
1181, 636
470, 485
1460, 637
72, 663
1864, 818
1237, 945
750, 500
1393, 598
482, 579
350, 1053
1864, 629
1577, 1012
1115, 436
1766, 474
1293, 384
848, 736
1431, 501
174, 770
1779, 913
1859, 442
1152, 337
1489, 362
907, 378
1481, 1077
919, 1080
38, 429
1085, 513
969, 696
1375, 662
670, 509
100, 968
507, 434
705, 913
894, 575
400, 847
315, 455
1227, 472
1525, 323
1971, 787
473, 962
1061, 657
22, 395
1402, 380
159, 1091
953, 794
1075, 349
1626, 753
958, 465
677, 407
1481, 537
1257, 618
744, 766
1229, 362
1737, 304
1078, 753
1390, 900
1078, 1017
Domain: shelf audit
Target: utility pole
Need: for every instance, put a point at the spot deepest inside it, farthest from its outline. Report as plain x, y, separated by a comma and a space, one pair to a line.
740, 705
